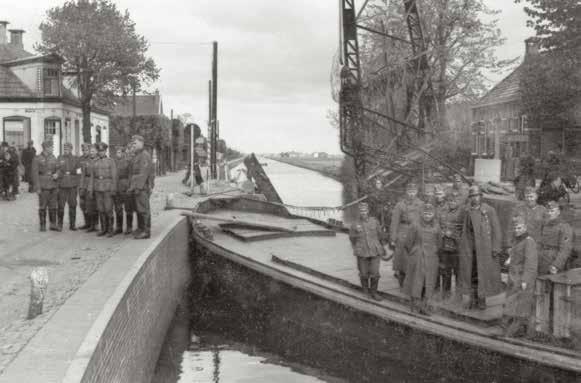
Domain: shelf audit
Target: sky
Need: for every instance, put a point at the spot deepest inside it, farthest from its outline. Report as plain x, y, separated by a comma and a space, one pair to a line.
274, 60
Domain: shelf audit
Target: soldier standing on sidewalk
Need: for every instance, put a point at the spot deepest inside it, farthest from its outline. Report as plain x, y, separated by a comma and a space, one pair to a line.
130, 200
120, 197
68, 171
90, 201
104, 185
45, 175
556, 242
139, 186
84, 184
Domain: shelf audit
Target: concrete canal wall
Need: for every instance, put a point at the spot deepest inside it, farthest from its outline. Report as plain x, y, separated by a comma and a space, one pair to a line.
113, 327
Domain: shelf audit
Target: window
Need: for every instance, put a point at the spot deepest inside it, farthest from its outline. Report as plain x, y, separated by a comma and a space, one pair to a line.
98, 134
51, 84
68, 131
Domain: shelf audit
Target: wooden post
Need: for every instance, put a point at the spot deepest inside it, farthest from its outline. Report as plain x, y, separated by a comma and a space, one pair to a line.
38, 284
542, 305
561, 310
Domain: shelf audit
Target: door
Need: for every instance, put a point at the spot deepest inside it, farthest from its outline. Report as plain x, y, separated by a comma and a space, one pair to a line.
14, 133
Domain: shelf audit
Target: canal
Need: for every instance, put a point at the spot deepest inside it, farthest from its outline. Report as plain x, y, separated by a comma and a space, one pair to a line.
205, 344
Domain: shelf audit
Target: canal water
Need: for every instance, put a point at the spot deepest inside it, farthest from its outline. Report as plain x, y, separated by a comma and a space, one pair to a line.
206, 350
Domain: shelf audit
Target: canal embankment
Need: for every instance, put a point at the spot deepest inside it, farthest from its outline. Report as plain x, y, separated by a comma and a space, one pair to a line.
329, 167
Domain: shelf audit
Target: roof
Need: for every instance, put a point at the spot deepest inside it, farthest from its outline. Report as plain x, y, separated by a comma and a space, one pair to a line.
145, 105
505, 91
9, 52
11, 85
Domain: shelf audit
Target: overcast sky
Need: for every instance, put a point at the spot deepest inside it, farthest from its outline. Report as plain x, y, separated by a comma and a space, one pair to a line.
274, 62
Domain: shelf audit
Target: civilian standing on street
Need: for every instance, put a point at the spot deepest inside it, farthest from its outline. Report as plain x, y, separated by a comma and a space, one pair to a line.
69, 169
405, 213
365, 236
522, 272
479, 256
28, 155
120, 200
556, 242
422, 244
141, 168
104, 185
45, 176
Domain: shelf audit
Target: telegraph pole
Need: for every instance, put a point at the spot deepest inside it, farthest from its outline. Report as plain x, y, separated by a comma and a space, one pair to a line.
214, 112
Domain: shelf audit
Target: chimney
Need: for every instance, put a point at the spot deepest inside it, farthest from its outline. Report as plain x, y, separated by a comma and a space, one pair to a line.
16, 37
532, 47
3, 37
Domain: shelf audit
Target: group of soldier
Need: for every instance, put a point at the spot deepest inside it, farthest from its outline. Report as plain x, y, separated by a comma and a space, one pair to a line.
107, 189
11, 160
453, 235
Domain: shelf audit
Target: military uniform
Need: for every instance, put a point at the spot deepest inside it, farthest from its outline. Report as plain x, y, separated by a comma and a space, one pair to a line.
522, 268
121, 198
44, 176
68, 171
451, 222
555, 245
8, 169
534, 218
104, 185
139, 186
404, 215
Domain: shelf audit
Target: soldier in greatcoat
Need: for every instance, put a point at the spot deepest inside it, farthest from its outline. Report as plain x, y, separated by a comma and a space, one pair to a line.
104, 185
84, 178
405, 213
120, 197
522, 272
69, 169
45, 176
533, 213
480, 250
28, 155
451, 220
139, 187
365, 235
422, 244
129, 203
556, 242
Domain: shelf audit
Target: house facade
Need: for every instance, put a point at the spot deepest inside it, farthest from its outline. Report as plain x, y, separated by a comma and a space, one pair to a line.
500, 129
35, 103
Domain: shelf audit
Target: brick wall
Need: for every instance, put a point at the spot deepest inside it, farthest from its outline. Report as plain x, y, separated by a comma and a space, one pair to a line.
128, 348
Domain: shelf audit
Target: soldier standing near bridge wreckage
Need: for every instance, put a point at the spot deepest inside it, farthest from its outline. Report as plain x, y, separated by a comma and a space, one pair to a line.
140, 185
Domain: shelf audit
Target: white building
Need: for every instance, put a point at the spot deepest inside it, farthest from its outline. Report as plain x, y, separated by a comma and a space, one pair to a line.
35, 104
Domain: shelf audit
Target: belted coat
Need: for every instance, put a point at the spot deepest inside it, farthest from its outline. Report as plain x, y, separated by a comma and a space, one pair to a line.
69, 171
141, 171
481, 237
44, 167
522, 268
422, 244
404, 215
104, 176
123, 174
555, 245
365, 238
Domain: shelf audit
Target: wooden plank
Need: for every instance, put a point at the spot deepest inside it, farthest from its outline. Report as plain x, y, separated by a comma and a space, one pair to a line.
542, 306
257, 173
561, 310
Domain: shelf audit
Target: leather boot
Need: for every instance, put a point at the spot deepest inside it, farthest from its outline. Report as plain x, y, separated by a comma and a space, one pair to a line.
139, 229
42, 219
92, 222
144, 234
60, 218
111, 226
400, 278
104, 224
72, 219
86, 225
129, 219
424, 308
365, 284
374, 282
52, 219
119, 223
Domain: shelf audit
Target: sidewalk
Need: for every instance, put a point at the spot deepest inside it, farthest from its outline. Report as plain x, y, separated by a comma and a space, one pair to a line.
70, 258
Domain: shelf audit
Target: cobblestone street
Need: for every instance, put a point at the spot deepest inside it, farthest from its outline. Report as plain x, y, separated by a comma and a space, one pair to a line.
70, 258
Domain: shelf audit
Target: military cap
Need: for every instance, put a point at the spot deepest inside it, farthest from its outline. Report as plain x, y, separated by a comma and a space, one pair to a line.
551, 205
530, 190
68, 145
47, 144
137, 137
474, 190
101, 146
429, 208
518, 220
412, 186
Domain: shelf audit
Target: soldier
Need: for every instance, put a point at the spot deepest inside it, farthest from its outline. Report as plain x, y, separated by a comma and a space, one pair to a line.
104, 185
556, 242
69, 169
120, 197
522, 273
15, 158
439, 200
28, 155
365, 237
45, 176
8, 169
405, 213
151, 183
377, 200
139, 186
130, 199
533, 213
84, 183
451, 220
479, 274
422, 244
525, 178
459, 186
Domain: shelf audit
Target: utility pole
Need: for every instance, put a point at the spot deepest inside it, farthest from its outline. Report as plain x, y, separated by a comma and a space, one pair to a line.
214, 112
